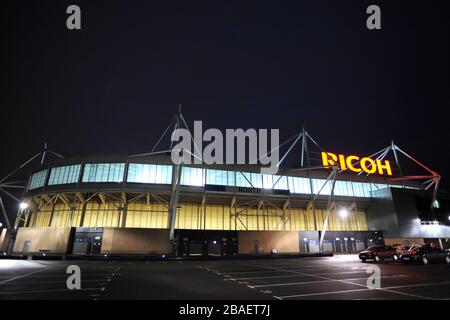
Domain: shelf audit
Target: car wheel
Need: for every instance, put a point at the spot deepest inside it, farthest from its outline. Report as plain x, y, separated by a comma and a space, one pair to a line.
363, 260
425, 260
377, 258
447, 259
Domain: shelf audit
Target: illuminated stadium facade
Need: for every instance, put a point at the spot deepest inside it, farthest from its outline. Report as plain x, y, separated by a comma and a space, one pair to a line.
136, 205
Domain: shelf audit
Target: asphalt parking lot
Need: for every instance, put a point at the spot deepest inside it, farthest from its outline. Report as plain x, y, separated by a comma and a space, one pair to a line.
338, 277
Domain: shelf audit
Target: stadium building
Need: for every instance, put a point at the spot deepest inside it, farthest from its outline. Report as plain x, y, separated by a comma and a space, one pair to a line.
145, 204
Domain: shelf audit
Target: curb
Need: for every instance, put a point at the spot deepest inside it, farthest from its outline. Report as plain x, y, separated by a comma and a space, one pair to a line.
107, 257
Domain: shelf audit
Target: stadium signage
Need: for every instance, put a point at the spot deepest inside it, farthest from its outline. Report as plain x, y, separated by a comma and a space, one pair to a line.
357, 164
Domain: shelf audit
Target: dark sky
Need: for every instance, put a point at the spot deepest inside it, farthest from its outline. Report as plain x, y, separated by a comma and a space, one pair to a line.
113, 86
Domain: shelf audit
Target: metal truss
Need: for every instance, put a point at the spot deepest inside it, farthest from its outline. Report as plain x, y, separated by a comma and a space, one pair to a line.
177, 122
77, 201
6, 184
429, 180
238, 209
260, 208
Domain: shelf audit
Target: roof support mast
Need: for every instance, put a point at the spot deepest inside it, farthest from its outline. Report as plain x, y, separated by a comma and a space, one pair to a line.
432, 179
330, 203
176, 177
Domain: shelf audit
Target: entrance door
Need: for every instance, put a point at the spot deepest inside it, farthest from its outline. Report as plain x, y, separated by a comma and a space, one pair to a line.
360, 245
195, 247
87, 241
338, 245
214, 247
327, 245
96, 244
351, 245
81, 245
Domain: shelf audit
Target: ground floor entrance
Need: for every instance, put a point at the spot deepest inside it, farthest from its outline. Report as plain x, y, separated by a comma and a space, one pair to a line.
87, 240
206, 242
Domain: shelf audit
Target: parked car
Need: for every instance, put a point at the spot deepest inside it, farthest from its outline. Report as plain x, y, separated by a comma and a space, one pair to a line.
399, 250
377, 253
425, 255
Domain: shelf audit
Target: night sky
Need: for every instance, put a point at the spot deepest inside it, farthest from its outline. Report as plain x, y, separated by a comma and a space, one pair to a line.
113, 86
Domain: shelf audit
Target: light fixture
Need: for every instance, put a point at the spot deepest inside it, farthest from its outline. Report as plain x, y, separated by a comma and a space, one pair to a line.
23, 205
1, 224
343, 213
436, 204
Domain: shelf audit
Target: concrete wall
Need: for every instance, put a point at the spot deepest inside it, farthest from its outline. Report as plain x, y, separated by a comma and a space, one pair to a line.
55, 240
381, 213
282, 241
403, 241
408, 217
136, 241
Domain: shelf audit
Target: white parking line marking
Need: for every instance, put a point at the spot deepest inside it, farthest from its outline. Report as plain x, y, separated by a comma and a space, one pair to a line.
299, 274
360, 285
48, 291
20, 276
319, 293
293, 267
318, 281
287, 269
63, 275
388, 289
63, 281
247, 272
270, 277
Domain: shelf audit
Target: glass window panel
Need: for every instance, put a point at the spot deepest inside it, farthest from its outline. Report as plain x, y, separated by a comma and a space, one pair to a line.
299, 185
274, 182
267, 181
149, 173
64, 175
342, 188
220, 177
37, 180
241, 179
317, 185
358, 189
281, 183
103, 172
256, 180
192, 176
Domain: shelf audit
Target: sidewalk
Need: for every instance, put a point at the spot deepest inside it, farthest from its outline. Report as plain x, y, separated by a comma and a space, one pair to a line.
115, 257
